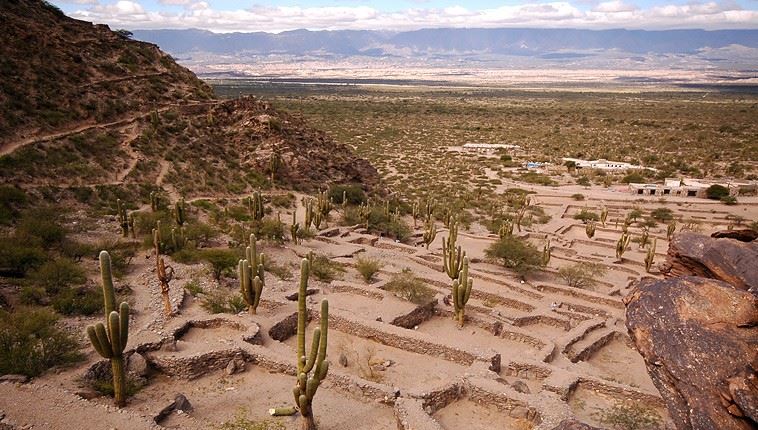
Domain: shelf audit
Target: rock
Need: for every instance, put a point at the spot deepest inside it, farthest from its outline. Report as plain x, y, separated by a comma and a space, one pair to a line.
698, 339
137, 365
521, 412
521, 387
169, 346
285, 328
574, 425
14, 379
745, 235
235, 366
330, 232
180, 404
309, 292
728, 260
88, 393
343, 359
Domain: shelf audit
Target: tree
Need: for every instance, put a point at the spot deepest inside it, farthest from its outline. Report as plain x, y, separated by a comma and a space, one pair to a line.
716, 192
581, 275
516, 254
586, 216
221, 260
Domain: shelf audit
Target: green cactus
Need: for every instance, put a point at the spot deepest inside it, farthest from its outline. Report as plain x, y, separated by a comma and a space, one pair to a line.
546, 254
603, 215
622, 244
179, 212
312, 367
344, 202
650, 256
251, 276
452, 256
461, 293
430, 233
165, 275
429, 209
256, 207
110, 339
123, 219
178, 238
625, 226
154, 201
275, 163
364, 211
324, 205
589, 229
131, 225
506, 229
294, 228
158, 244
523, 205
644, 237
415, 212
670, 229
308, 203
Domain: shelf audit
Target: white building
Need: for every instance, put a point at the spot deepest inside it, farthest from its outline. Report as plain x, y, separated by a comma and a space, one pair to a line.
602, 164
487, 147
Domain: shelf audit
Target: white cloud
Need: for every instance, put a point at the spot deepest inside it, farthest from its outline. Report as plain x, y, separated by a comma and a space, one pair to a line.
607, 14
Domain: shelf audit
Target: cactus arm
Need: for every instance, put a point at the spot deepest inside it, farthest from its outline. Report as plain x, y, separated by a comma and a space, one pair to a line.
301, 311
115, 333
282, 412
314, 351
102, 339
96, 342
108, 291
258, 288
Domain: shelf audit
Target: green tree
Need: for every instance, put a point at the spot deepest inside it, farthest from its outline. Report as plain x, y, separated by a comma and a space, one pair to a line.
516, 254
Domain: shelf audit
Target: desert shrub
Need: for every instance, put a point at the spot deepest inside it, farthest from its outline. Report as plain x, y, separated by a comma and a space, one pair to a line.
104, 385
220, 301
515, 253
271, 229
537, 178
662, 214
17, 257
11, 198
283, 200
281, 271
583, 181
586, 216
241, 422
367, 267
32, 295
634, 177
324, 269
630, 416
729, 200
199, 233
58, 274
188, 256
40, 226
581, 275
390, 227
353, 193
578, 197
31, 342
220, 260
78, 301
408, 287
716, 192
193, 287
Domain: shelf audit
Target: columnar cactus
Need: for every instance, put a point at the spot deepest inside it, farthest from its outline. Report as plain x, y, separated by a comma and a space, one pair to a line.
625, 226
430, 233
670, 229
131, 225
644, 237
546, 254
523, 205
179, 212
158, 244
294, 228
274, 164
452, 256
603, 215
165, 275
506, 229
308, 203
123, 219
178, 238
344, 202
415, 212
622, 244
589, 229
313, 366
110, 339
429, 209
251, 275
324, 204
650, 256
154, 201
364, 211
255, 205
461, 293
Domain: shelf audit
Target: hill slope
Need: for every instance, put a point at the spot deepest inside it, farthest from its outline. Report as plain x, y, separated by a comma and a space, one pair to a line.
85, 106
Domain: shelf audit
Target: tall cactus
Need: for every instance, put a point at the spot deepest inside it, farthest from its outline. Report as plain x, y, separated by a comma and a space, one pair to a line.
110, 339
131, 225
589, 229
430, 233
670, 229
429, 209
256, 207
364, 212
324, 204
650, 256
308, 203
461, 293
621, 245
154, 201
313, 366
415, 212
165, 275
123, 219
251, 275
452, 256
294, 228
506, 229
523, 205
644, 237
546, 254
179, 212
603, 215
158, 244
274, 163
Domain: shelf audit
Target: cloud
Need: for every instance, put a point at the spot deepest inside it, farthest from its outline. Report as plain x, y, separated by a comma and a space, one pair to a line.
557, 14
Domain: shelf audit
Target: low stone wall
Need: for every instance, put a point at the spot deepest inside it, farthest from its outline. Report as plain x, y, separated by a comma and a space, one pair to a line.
286, 328
410, 415
417, 316
434, 400
526, 371
340, 287
194, 366
542, 319
587, 352
580, 332
581, 295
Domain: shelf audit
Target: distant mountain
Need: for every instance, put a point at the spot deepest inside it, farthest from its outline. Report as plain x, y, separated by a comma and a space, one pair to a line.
446, 41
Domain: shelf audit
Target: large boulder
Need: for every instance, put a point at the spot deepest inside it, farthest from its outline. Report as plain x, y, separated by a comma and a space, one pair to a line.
699, 339
726, 259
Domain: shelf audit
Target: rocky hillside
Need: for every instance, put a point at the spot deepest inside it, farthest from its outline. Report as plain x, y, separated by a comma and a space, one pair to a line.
85, 106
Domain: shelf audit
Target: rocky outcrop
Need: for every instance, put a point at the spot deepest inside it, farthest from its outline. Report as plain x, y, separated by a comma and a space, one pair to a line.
574, 425
698, 336
729, 260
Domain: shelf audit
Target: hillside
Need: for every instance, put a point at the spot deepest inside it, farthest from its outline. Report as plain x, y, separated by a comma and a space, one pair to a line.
83, 106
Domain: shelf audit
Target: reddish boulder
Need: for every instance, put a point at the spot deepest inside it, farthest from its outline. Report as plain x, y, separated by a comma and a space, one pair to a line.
726, 259
699, 339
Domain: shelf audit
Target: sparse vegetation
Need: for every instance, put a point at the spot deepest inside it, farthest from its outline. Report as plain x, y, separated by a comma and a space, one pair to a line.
581, 275
516, 254
367, 267
630, 416
408, 287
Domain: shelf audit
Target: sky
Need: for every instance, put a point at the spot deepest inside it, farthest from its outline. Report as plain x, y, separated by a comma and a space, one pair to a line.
280, 15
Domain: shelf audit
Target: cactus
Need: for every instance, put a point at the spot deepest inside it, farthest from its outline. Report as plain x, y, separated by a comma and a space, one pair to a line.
452, 256
546, 254
110, 339
461, 293
158, 245
429, 209
625, 226
178, 238
312, 367
670, 229
364, 211
650, 256
123, 219
344, 202
589, 229
294, 228
255, 205
430, 233
308, 203
165, 275
131, 225
251, 275
324, 205
506, 229
274, 163
621, 245
154, 201
415, 212
179, 212
523, 205
603, 215
644, 237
